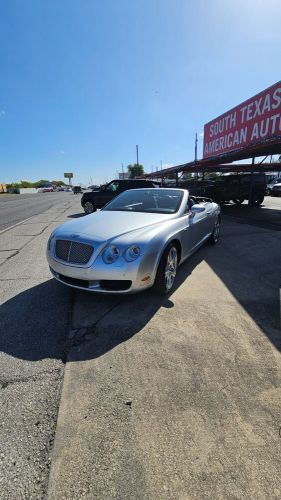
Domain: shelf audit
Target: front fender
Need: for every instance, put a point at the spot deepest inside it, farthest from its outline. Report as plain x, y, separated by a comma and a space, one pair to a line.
151, 259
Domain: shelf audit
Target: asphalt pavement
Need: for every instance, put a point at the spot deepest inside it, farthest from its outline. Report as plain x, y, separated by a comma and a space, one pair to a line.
142, 397
34, 317
15, 208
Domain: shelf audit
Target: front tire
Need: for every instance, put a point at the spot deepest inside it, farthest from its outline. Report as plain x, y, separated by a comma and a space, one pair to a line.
257, 200
89, 207
167, 270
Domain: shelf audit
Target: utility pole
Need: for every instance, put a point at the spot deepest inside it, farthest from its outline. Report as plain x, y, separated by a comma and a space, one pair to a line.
195, 156
137, 148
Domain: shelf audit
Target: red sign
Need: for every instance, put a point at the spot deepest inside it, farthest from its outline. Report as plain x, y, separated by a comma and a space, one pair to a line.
253, 122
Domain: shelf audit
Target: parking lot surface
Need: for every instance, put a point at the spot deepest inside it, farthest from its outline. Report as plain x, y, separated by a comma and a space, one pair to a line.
160, 398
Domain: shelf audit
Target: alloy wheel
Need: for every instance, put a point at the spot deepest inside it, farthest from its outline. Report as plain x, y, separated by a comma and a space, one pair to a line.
171, 268
88, 207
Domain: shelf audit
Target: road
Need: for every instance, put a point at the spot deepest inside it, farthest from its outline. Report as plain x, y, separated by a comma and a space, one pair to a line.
34, 316
17, 207
142, 397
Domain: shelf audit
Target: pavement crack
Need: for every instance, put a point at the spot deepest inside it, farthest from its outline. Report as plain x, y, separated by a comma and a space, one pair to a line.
10, 257
79, 336
37, 234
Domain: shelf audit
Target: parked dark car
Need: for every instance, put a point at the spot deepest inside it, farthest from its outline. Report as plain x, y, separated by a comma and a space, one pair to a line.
91, 200
230, 187
77, 189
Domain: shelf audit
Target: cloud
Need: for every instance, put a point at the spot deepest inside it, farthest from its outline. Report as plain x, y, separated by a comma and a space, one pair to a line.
201, 134
62, 152
2, 113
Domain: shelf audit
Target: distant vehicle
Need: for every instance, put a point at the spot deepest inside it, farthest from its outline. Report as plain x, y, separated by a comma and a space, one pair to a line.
45, 188
94, 187
77, 189
69, 190
229, 187
276, 189
137, 241
271, 184
92, 200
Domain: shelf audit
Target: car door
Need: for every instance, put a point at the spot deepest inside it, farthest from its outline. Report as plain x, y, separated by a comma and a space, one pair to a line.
209, 220
196, 226
109, 192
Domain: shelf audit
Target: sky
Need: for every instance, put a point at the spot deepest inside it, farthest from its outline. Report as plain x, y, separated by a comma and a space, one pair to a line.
83, 81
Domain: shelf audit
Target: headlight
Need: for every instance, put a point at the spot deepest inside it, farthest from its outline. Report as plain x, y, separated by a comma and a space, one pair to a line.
132, 253
110, 254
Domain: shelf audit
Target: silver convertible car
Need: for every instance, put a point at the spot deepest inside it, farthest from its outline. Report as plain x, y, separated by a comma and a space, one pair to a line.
135, 242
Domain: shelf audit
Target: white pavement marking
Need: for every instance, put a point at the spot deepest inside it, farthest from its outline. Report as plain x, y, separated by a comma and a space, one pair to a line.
17, 224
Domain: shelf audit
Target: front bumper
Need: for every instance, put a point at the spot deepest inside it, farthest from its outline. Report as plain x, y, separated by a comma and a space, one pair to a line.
120, 277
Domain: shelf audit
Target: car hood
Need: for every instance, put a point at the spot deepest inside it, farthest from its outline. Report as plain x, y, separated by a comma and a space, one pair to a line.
106, 225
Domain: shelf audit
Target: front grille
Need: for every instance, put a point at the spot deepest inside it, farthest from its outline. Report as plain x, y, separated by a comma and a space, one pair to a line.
73, 251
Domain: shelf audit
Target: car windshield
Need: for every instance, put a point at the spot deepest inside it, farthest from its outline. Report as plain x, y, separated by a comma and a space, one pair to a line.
160, 201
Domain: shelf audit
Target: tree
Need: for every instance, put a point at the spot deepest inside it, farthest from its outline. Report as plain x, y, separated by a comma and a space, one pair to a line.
38, 184
26, 184
135, 170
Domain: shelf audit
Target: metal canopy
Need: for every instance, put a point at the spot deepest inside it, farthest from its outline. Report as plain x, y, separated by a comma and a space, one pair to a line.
221, 164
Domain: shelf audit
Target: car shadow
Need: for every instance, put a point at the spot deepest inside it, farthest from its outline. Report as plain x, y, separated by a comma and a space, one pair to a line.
34, 324
260, 216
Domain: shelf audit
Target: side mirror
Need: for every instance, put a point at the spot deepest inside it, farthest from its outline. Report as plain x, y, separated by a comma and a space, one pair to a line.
197, 209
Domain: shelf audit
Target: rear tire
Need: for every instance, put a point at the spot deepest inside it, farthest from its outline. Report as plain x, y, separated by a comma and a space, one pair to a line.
89, 207
167, 270
214, 238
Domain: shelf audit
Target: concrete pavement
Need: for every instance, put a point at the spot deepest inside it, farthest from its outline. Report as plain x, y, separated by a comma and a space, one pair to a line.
178, 398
